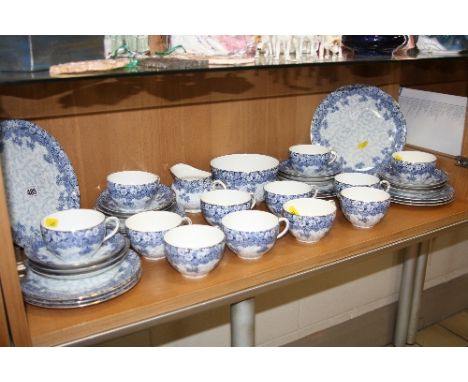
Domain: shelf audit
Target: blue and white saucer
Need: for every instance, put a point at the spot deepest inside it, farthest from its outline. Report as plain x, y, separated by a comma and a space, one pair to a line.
39, 253
163, 199
327, 172
436, 179
81, 272
54, 293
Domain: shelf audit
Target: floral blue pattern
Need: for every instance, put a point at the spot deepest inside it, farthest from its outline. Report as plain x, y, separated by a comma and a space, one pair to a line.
132, 197
414, 173
164, 198
188, 191
53, 292
39, 253
196, 262
275, 202
363, 214
148, 244
213, 213
436, 178
71, 245
246, 181
309, 229
309, 165
250, 245
363, 124
39, 178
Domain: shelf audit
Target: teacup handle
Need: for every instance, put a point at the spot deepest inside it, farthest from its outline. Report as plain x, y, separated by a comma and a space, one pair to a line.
254, 201
286, 227
115, 229
334, 156
218, 182
186, 221
315, 190
385, 185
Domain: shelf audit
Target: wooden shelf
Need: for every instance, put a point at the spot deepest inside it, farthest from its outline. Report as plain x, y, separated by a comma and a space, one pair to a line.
163, 293
129, 121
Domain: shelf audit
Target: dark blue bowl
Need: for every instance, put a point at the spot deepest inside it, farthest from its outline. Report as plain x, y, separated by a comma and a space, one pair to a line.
373, 45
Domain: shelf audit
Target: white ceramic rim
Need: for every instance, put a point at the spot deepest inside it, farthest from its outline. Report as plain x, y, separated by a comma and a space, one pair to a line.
194, 236
415, 157
309, 149
250, 221
365, 194
74, 219
244, 162
357, 179
133, 178
153, 221
225, 197
310, 207
287, 187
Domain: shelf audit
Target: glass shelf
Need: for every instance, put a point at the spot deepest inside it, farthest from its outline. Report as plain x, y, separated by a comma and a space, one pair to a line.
258, 63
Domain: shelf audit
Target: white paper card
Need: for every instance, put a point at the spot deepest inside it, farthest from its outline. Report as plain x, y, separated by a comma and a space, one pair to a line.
434, 120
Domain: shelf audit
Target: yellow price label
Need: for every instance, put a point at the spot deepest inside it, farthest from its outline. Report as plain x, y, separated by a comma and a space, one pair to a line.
362, 145
293, 211
51, 222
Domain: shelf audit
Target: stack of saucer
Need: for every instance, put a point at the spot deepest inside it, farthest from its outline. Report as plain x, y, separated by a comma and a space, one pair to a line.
165, 200
52, 282
323, 179
430, 190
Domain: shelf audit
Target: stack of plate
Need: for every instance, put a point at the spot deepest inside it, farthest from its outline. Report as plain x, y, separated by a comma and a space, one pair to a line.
165, 200
432, 191
322, 179
52, 283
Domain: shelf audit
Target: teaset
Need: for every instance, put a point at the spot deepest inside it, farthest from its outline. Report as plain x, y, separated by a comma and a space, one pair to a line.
78, 257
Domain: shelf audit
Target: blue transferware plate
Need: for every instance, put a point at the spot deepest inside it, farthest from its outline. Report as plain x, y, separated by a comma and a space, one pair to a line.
326, 173
39, 178
164, 197
363, 124
82, 302
37, 287
434, 180
447, 192
38, 253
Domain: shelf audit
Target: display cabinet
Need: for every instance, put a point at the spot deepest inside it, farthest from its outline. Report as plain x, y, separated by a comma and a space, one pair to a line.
152, 120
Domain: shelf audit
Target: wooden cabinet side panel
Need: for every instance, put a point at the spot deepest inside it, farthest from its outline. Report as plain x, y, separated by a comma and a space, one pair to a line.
4, 335
9, 278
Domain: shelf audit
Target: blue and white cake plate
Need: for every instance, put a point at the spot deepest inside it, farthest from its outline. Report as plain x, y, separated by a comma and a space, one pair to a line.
363, 124
39, 178
55, 293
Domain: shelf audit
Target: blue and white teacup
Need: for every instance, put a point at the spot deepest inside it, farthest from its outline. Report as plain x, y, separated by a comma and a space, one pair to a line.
132, 189
308, 159
309, 219
146, 231
280, 191
189, 189
252, 233
358, 179
76, 234
194, 250
413, 166
364, 207
218, 203
246, 172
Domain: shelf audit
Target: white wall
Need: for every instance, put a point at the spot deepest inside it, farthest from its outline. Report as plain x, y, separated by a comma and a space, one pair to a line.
288, 313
